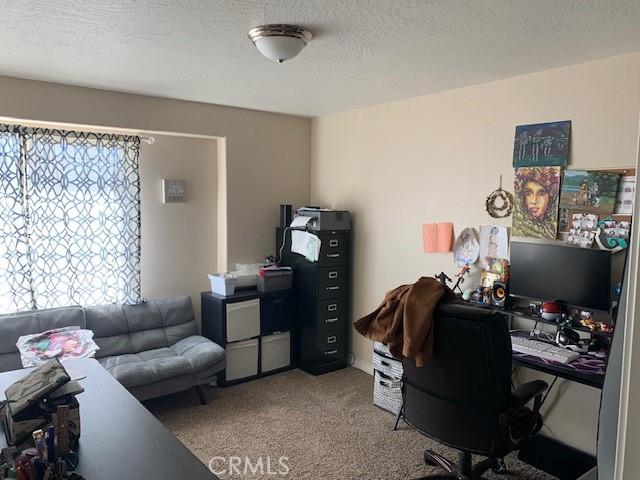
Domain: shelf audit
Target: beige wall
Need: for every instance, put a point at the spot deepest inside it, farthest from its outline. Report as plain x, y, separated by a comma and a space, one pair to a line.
267, 154
179, 241
435, 158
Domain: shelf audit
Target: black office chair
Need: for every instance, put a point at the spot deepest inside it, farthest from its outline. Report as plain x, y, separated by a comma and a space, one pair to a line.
463, 397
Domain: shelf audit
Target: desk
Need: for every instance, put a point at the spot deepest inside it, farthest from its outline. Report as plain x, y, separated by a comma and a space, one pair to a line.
568, 372
586, 370
120, 438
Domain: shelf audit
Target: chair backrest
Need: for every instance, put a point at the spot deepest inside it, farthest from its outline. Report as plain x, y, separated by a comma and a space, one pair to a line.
459, 396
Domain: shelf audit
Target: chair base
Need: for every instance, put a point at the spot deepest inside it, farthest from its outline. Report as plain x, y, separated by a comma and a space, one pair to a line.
464, 470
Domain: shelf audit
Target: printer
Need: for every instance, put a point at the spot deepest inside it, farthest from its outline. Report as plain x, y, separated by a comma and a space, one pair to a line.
325, 219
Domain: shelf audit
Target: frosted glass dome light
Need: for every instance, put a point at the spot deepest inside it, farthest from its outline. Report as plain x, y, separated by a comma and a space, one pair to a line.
279, 42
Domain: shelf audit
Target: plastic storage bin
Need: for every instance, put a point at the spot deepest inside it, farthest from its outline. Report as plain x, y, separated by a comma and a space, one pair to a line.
223, 284
243, 320
242, 359
275, 281
276, 351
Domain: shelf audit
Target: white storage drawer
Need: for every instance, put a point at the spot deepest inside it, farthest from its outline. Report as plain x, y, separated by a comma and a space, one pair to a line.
390, 367
276, 351
242, 359
381, 348
387, 392
243, 320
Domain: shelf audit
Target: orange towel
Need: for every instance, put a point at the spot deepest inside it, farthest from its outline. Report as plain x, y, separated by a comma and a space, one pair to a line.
404, 319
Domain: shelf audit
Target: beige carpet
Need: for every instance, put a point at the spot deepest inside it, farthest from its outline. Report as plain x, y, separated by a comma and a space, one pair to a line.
326, 426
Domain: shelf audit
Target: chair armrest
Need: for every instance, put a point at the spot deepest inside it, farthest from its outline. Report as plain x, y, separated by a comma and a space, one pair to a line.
527, 391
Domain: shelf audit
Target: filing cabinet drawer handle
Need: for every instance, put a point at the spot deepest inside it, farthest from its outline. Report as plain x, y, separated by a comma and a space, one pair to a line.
333, 288
333, 275
332, 339
333, 243
330, 352
332, 320
333, 307
333, 255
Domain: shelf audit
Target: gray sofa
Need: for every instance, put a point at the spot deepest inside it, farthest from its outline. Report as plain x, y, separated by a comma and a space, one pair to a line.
153, 348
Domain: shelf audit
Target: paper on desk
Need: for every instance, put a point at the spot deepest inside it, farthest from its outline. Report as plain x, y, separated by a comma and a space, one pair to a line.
301, 221
305, 244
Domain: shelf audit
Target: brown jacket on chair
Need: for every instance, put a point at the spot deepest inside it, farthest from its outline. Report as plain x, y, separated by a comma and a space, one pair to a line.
404, 320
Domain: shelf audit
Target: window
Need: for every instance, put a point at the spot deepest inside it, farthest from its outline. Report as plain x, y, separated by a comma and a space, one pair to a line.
69, 218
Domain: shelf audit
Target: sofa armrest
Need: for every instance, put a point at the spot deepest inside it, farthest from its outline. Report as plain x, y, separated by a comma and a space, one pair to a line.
200, 352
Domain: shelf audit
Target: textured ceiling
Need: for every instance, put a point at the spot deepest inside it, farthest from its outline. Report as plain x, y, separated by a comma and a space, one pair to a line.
363, 52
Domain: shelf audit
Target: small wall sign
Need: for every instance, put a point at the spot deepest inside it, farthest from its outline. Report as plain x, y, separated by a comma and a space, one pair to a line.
173, 191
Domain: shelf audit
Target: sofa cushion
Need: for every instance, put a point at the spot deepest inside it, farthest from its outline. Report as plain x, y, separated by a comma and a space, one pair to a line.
200, 352
150, 325
10, 361
145, 326
129, 369
110, 330
13, 326
134, 369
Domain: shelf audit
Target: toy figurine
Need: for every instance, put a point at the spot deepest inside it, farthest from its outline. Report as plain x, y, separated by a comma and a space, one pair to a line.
443, 278
463, 271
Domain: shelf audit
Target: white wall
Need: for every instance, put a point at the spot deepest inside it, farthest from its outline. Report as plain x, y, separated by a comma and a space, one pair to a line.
179, 241
437, 157
266, 155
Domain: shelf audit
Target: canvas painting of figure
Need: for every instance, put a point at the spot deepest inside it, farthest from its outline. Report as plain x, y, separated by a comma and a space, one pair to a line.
589, 191
542, 145
536, 192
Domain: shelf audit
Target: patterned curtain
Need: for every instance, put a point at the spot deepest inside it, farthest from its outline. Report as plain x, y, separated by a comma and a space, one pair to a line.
69, 218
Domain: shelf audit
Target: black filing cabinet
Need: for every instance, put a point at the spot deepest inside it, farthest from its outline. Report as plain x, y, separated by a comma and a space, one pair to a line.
322, 301
256, 330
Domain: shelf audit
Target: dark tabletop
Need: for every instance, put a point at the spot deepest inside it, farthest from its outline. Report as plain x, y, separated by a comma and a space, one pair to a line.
119, 437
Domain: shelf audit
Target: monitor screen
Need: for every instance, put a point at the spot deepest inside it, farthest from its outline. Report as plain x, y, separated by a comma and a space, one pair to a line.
579, 277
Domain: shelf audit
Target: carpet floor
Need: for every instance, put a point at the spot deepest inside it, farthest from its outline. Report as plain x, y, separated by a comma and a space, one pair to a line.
325, 426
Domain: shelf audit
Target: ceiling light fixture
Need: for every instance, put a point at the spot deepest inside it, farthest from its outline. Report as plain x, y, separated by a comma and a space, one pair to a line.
278, 41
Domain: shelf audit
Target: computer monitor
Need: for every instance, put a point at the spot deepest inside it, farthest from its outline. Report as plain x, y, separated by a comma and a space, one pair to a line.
579, 277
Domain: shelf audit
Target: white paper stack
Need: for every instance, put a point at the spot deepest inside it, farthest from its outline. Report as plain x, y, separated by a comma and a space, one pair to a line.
306, 244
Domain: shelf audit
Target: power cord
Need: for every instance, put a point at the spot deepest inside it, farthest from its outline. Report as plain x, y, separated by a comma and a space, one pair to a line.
544, 398
352, 360
284, 240
553, 434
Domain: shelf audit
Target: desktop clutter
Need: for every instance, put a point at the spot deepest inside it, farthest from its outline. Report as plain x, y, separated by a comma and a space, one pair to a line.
265, 277
268, 275
41, 420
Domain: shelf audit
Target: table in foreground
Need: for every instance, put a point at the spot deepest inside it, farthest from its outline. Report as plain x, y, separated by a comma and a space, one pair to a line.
119, 437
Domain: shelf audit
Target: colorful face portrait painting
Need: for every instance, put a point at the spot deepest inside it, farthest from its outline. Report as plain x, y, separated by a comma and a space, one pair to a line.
536, 192
542, 145
589, 191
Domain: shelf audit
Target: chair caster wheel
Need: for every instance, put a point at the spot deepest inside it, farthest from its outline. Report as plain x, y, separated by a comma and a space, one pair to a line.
500, 468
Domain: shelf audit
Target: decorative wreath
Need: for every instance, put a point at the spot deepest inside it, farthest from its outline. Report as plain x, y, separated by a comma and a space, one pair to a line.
499, 203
